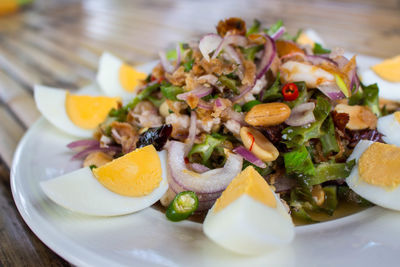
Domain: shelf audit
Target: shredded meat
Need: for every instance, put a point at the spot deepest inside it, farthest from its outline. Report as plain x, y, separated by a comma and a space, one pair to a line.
233, 126
158, 72
249, 72
176, 106
216, 66
231, 26
208, 125
125, 135
225, 103
145, 114
180, 125
178, 77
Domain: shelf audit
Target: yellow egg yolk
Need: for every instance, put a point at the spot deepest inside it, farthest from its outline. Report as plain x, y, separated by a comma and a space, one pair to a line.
130, 78
135, 174
389, 69
305, 40
397, 116
248, 182
380, 165
88, 112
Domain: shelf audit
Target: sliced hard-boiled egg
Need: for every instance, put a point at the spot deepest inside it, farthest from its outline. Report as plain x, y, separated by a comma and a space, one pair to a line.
376, 175
389, 69
125, 185
249, 218
117, 78
389, 126
78, 115
387, 75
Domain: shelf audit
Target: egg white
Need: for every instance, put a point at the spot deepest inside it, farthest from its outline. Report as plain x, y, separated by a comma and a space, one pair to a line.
108, 77
247, 226
388, 90
51, 104
390, 128
387, 198
79, 191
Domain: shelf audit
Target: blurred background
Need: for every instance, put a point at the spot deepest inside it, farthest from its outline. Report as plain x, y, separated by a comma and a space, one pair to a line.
58, 43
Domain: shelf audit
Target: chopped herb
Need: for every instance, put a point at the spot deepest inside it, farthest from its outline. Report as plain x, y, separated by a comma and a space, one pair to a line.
144, 94
250, 52
92, 166
274, 92
318, 49
249, 105
274, 27
237, 108
255, 28
170, 91
368, 96
229, 83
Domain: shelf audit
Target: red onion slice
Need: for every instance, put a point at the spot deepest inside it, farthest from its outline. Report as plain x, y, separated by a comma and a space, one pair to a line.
267, 57
319, 60
192, 131
83, 143
199, 168
82, 154
209, 43
231, 53
165, 62
205, 105
218, 102
238, 40
243, 93
249, 156
200, 92
331, 90
301, 114
212, 181
178, 57
278, 33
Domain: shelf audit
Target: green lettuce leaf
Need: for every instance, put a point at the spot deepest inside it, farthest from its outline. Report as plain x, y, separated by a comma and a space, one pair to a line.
369, 96
328, 140
299, 162
294, 136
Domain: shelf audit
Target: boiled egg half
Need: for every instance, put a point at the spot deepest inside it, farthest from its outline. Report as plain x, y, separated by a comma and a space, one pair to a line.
249, 218
127, 184
117, 78
389, 126
387, 75
376, 175
78, 115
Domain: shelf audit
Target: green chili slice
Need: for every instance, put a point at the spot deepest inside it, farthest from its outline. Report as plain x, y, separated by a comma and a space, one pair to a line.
183, 205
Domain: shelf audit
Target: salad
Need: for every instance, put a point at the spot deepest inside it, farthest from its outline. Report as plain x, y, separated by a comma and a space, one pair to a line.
258, 93
244, 111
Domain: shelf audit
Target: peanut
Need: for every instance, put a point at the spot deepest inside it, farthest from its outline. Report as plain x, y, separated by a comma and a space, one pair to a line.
258, 144
164, 109
268, 114
318, 195
361, 117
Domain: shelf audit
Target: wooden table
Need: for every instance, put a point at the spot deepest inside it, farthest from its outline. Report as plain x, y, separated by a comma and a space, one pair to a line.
58, 43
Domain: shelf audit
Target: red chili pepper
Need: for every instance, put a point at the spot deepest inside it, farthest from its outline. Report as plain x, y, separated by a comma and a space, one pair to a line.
252, 141
187, 160
290, 91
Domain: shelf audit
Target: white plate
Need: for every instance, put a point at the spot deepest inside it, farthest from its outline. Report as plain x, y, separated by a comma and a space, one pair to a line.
146, 238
